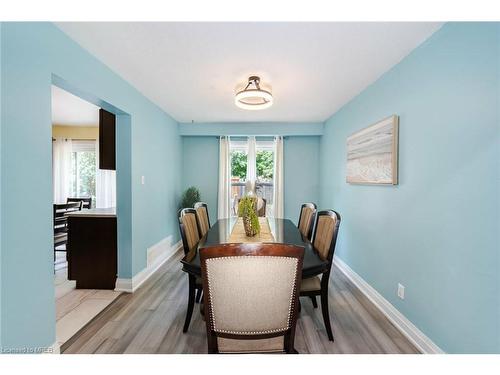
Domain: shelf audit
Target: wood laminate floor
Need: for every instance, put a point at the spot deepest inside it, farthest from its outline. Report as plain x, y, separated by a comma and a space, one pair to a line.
75, 307
151, 319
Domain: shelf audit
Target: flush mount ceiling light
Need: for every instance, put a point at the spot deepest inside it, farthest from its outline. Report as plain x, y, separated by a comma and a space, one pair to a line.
253, 96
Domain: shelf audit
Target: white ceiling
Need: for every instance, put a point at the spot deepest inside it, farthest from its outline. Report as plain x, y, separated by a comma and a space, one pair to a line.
70, 110
191, 69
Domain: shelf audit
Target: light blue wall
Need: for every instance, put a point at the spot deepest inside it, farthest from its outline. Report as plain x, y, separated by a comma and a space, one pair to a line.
437, 232
301, 173
32, 55
301, 162
200, 168
251, 128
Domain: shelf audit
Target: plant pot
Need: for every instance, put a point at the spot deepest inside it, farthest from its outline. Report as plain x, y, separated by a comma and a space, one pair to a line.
250, 230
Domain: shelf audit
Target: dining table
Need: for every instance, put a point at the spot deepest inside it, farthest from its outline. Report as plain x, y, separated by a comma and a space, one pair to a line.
276, 231
272, 230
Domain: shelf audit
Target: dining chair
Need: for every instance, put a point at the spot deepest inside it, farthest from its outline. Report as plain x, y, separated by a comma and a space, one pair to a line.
306, 219
251, 296
86, 201
190, 235
202, 215
324, 240
60, 221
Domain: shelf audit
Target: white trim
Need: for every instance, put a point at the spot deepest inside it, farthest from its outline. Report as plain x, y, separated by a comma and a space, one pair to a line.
407, 328
157, 255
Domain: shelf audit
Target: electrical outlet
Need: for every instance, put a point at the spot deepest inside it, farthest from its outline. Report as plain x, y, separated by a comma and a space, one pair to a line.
401, 291
143, 180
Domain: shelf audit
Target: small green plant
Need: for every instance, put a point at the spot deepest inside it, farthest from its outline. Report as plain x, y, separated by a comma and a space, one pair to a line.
246, 209
190, 196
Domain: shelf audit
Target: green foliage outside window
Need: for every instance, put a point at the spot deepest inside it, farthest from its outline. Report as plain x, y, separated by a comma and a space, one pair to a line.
83, 179
264, 164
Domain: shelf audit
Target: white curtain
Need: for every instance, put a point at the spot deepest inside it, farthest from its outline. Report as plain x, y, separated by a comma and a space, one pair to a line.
224, 201
251, 164
278, 178
61, 166
105, 185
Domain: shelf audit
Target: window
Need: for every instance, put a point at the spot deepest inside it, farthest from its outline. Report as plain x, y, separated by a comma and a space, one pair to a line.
264, 163
83, 170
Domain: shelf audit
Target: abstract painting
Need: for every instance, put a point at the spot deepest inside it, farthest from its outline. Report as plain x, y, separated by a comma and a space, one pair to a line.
372, 154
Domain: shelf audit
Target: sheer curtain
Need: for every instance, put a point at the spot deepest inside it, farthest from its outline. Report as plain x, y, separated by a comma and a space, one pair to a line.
61, 166
251, 167
278, 178
224, 200
105, 185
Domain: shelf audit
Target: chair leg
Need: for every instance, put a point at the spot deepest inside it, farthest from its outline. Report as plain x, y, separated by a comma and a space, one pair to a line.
315, 303
326, 315
191, 297
198, 295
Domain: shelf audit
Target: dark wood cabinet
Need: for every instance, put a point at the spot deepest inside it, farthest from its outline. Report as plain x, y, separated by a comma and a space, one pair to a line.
107, 140
92, 251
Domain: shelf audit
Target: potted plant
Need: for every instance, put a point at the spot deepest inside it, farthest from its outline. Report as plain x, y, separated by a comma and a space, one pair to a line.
246, 210
190, 196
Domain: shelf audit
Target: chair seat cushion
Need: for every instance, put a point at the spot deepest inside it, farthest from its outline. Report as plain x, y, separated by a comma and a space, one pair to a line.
310, 285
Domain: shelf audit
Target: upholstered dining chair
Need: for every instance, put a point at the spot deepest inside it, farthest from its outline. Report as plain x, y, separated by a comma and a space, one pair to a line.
251, 297
202, 215
324, 240
306, 219
190, 235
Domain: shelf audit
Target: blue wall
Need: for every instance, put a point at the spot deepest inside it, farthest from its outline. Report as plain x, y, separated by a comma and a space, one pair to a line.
251, 128
301, 173
437, 231
32, 55
301, 162
200, 168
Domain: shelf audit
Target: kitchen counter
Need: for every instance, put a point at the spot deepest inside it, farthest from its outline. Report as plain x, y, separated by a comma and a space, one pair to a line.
92, 248
94, 212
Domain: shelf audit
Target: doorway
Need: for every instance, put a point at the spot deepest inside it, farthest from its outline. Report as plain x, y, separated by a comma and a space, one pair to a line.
79, 185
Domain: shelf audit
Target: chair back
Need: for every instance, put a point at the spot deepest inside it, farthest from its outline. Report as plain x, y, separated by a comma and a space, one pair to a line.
306, 219
61, 221
87, 201
202, 215
189, 228
325, 234
261, 212
251, 296
61, 209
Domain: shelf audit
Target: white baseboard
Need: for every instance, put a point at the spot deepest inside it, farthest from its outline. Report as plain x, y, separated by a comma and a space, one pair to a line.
156, 256
407, 328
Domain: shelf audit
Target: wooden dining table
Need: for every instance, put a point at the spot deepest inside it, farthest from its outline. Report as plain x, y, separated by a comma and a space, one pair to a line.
275, 231
231, 231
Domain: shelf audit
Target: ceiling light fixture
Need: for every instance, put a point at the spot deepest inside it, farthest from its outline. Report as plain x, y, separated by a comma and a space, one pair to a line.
253, 96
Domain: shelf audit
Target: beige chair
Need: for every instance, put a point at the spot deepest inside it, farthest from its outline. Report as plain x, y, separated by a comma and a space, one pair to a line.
251, 297
306, 219
189, 228
324, 240
202, 215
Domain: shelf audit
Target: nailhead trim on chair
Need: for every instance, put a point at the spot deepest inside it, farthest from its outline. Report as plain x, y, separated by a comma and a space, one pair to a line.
251, 332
